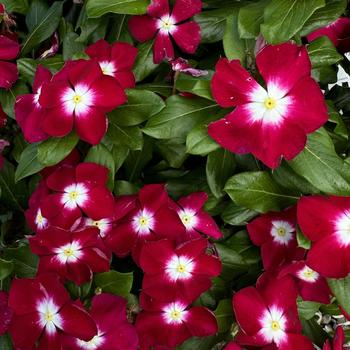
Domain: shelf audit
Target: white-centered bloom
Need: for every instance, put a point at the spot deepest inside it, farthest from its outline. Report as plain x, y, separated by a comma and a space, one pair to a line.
166, 24
92, 344
143, 222
282, 231
78, 100
108, 68
49, 317
188, 218
69, 253
273, 325
342, 228
179, 267
104, 225
175, 313
308, 275
40, 221
74, 195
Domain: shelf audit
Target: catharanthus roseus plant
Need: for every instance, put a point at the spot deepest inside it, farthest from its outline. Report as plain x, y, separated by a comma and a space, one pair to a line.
174, 175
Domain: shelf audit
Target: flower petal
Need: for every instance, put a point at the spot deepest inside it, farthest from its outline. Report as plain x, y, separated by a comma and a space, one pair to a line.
8, 74
158, 8
187, 36
9, 49
184, 9
142, 28
162, 48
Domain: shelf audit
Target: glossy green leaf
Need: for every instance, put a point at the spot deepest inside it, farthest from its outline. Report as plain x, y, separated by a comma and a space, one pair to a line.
20, 6
236, 215
114, 282
6, 268
199, 86
341, 290
37, 11
224, 315
198, 141
97, 8
144, 65
130, 136
28, 163
234, 46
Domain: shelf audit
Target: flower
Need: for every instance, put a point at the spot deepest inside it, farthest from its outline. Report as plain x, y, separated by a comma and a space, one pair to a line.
74, 189
169, 324
74, 255
326, 222
232, 346
115, 60
28, 110
114, 332
151, 219
311, 285
74, 98
182, 65
338, 340
43, 311
275, 233
172, 272
264, 119
194, 218
162, 24
338, 32
268, 316
9, 49
5, 313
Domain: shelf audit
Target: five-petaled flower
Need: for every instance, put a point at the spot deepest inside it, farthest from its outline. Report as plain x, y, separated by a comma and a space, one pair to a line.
273, 122
74, 98
162, 24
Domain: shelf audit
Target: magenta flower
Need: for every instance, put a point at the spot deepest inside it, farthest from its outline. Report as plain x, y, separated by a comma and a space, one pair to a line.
43, 312
326, 222
194, 218
275, 233
232, 346
9, 49
76, 99
338, 32
171, 323
182, 65
5, 313
268, 316
114, 332
311, 285
264, 119
162, 24
77, 189
338, 340
175, 272
115, 60
29, 112
151, 219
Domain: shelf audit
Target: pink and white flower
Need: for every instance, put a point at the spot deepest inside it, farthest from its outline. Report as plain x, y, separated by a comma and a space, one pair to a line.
275, 233
76, 99
264, 119
115, 60
172, 272
43, 312
28, 110
164, 25
268, 316
326, 222
176, 320
73, 255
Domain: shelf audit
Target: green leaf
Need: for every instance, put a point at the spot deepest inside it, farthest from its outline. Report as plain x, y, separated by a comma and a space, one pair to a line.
199, 86
234, 46
119, 154
323, 53
321, 166
45, 28
285, 18
37, 11
28, 163
303, 242
24, 261
114, 282
179, 117
258, 191
8, 97
224, 315
100, 154
6, 342
13, 195
198, 142
249, 19
71, 47
307, 309
173, 151
20, 6
144, 65
130, 136
236, 215
325, 15
55, 149
220, 166
334, 117
6, 268
141, 105
97, 8
341, 290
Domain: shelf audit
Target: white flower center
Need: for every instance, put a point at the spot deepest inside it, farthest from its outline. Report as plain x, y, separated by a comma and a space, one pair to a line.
143, 222
166, 24
92, 344
179, 267
40, 221
273, 324
49, 317
282, 231
269, 106
188, 218
104, 225
308, 275
37, 96
174, 313
74, 195
342, 228
108, 68
69, 253
78, 99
